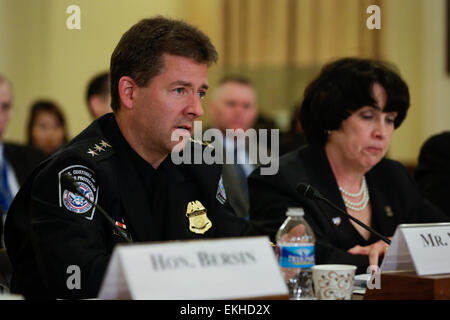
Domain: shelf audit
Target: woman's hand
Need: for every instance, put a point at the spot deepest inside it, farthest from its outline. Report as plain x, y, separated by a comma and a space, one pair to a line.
374, 251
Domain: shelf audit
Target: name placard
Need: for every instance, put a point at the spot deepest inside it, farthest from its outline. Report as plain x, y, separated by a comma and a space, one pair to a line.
423, 248
232, 268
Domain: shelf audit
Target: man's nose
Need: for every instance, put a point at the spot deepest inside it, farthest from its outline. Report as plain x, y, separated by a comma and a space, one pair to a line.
195, 107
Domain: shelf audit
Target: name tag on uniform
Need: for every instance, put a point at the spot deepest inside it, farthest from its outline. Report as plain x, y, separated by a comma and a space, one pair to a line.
423, 248
197, 269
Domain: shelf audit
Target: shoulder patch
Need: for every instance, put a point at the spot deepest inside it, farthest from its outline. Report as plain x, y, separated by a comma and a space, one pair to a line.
221, 194
86, 180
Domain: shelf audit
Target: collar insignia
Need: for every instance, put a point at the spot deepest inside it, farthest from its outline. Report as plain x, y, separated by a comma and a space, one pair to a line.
98, 148
92, 152
105, 144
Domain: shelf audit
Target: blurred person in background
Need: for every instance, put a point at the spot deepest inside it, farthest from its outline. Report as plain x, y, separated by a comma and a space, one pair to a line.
46, 128
433, 170
98, 97
16, 161
294, 137
233, 105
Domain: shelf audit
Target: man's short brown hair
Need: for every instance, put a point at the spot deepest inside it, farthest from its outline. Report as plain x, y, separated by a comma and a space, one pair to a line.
140, 50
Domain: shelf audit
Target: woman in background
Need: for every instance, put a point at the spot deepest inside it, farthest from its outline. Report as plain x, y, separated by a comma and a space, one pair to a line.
46, 128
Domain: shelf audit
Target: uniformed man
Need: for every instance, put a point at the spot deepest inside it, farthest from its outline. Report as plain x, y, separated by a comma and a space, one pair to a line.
122, 162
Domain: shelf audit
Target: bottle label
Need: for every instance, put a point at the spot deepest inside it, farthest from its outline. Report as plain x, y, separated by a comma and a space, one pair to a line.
299, 256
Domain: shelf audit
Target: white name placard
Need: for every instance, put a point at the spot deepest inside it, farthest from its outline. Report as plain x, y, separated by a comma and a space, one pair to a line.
230, 268
423, 248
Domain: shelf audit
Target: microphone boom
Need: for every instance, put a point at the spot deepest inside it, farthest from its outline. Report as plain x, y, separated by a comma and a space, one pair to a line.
69, 183
310, 192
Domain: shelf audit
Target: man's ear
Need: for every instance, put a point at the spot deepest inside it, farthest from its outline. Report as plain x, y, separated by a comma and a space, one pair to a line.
127, 88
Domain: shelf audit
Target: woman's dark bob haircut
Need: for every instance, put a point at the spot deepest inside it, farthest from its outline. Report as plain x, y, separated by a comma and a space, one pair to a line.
344, 86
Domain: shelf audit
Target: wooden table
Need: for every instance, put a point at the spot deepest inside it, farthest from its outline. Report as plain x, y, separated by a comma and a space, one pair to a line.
409, 286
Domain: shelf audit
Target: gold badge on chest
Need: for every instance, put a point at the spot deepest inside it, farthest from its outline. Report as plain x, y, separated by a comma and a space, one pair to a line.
198, 220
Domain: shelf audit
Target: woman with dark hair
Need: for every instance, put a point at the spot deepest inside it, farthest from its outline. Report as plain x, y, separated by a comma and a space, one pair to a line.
46, 128
348, 114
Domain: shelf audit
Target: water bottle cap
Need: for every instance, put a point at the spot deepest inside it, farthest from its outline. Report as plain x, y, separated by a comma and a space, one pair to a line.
298, 212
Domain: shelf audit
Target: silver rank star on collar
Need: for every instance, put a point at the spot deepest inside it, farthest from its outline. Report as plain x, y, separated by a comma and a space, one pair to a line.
98, 148
105, 144
92, 152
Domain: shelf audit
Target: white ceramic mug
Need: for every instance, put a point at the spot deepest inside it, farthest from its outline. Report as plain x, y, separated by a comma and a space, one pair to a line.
333, 281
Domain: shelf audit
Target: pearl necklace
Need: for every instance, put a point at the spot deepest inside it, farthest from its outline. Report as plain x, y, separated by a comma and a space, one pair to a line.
360, 205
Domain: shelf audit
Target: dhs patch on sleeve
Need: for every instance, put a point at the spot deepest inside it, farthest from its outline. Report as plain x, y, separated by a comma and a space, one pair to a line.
221, 195
85, 178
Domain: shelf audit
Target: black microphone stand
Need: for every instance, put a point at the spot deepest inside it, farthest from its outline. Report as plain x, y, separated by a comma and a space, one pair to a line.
354, 219
69, 183
310, 192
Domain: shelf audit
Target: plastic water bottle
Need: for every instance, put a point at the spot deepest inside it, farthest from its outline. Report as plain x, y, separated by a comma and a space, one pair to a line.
295, 241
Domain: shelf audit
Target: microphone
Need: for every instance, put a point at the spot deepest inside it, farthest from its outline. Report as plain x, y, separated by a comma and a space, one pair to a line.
311, 193
69, 183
